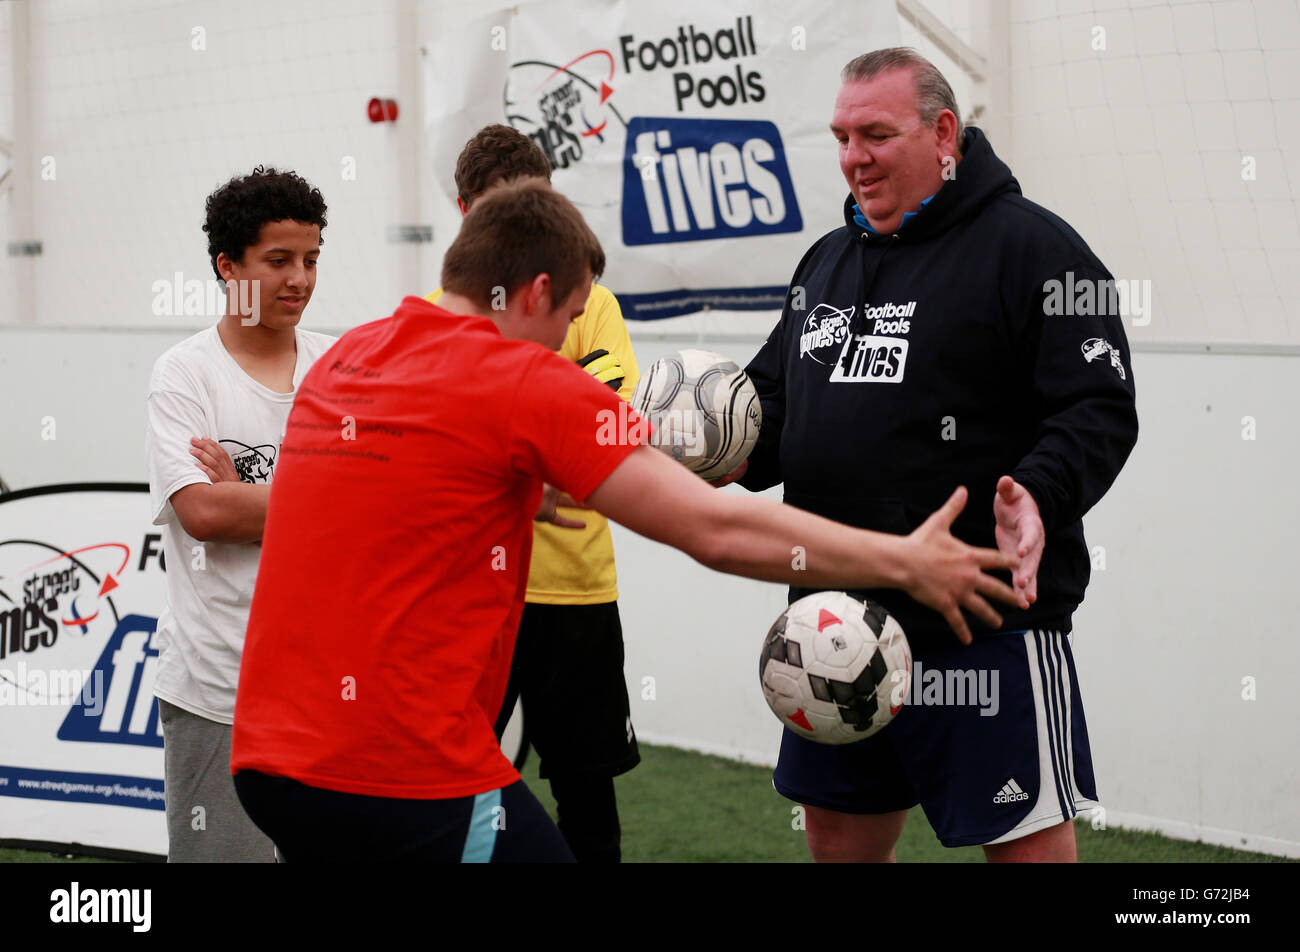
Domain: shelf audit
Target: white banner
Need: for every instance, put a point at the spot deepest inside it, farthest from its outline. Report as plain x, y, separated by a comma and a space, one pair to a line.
81, 586
693, 137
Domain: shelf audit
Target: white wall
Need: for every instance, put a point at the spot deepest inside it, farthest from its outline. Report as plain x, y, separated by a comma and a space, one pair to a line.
1173, 149
140, 125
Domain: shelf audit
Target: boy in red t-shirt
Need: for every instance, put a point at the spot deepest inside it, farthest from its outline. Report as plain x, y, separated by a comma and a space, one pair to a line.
397, 545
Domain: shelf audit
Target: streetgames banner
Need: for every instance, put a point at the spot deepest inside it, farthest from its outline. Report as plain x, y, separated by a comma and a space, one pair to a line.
694, 137
81, 748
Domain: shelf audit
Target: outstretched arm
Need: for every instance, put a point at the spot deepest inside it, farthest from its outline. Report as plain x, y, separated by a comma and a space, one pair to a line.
757, 538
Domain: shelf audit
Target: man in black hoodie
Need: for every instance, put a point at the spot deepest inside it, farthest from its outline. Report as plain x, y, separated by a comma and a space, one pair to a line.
943, 337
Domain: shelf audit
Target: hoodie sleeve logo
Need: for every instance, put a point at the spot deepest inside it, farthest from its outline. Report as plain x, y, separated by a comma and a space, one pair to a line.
1096, 347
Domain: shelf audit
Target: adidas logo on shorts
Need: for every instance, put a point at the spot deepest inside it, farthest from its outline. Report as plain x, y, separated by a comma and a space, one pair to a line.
1010, 793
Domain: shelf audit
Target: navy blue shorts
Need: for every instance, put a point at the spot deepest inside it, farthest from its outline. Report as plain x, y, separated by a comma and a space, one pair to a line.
313, 825
991, 742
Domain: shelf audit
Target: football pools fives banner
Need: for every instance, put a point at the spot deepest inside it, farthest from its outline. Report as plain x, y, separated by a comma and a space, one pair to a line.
81, 748
693, 137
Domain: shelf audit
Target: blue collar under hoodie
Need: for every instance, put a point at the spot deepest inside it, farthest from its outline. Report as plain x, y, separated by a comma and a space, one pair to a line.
860, 219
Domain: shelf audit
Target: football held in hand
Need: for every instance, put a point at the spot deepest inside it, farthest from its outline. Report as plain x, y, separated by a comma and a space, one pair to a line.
703, 408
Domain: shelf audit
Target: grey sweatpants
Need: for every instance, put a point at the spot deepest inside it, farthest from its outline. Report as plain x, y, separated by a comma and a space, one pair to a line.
205, 822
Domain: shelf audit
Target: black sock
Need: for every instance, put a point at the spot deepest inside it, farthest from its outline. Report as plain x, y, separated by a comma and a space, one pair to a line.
588, 817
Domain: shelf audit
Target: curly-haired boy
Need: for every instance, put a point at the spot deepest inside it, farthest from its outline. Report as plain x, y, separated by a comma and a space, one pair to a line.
218, 405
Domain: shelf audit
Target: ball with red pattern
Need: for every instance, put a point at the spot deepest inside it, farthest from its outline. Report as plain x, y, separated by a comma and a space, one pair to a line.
834, 668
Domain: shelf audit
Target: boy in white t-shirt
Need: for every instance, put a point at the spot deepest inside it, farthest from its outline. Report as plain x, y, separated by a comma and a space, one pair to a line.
218, 405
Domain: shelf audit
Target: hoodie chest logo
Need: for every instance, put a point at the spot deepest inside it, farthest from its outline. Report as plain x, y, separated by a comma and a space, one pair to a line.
890, 318
824, 331
866, 358
877, 356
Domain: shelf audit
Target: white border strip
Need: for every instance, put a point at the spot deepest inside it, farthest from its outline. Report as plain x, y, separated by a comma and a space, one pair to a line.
755, 758
1194, 832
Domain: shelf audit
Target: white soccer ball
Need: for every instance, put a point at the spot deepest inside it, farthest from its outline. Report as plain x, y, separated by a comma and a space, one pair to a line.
703, 408
835, 669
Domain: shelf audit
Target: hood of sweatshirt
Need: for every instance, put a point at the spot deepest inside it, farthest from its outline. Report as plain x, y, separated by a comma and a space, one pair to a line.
979, 177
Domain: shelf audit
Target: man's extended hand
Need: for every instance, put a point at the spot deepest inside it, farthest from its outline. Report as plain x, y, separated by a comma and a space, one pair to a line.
552, 497
213, 460
948, 575
1019, 532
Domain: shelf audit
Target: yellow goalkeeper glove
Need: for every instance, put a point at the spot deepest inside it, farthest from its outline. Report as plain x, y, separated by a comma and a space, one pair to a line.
604, 366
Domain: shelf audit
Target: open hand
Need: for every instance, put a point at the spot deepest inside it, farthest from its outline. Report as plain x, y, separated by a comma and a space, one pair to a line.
948, 575
1019, 531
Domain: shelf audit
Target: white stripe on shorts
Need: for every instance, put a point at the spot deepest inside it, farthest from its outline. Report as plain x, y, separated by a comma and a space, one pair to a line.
1075, 792
1055, 738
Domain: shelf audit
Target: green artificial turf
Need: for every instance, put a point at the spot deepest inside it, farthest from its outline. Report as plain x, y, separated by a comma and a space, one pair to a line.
679, 806
684, 807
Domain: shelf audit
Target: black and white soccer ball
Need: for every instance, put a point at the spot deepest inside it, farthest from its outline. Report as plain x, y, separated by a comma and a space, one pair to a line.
835, 669
703, 408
